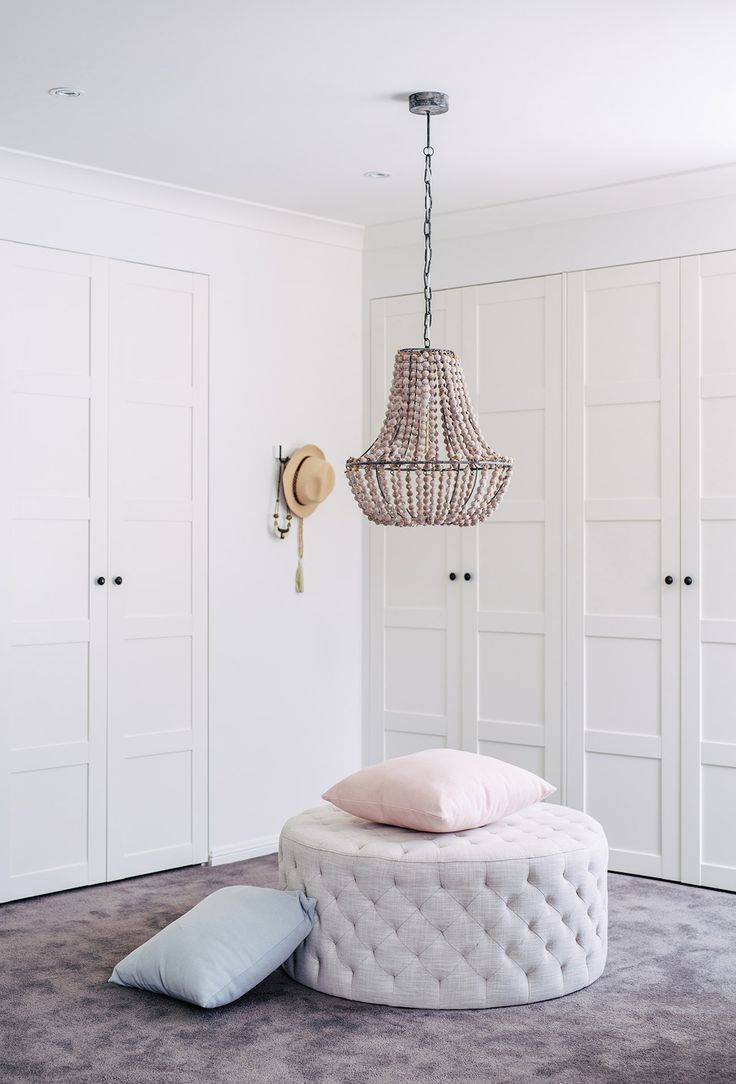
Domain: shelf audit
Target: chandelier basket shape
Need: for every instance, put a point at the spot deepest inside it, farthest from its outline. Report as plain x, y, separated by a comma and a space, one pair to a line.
429, 465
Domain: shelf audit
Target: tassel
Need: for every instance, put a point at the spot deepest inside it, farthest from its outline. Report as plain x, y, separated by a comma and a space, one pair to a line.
300, 550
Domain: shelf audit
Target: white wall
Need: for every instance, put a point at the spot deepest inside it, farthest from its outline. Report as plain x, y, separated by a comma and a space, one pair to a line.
285, 365
647, 220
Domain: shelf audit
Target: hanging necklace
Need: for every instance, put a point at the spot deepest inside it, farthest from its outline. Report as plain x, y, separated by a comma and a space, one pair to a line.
299, 580
278, 529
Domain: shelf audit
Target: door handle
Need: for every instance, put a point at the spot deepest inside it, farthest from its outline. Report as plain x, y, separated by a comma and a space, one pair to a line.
669, 579
101, 581
453, 575
467, 576
118, 580
687, 581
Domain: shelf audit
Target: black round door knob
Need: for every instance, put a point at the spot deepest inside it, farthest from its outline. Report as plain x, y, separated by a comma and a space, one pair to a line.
101, 581
453, 575
669, 579
118, 580
688, 580
467, 576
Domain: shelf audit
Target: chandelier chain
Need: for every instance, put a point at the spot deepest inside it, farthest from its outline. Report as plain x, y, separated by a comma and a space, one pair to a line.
428, 152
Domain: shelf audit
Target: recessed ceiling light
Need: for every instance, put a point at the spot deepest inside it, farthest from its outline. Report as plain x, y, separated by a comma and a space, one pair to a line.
376, 174
66, 92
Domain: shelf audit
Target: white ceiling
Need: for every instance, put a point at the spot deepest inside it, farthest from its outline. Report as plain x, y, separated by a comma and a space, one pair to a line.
289, 102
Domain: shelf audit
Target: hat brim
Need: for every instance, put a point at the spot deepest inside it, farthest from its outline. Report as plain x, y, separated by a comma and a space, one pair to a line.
295, 461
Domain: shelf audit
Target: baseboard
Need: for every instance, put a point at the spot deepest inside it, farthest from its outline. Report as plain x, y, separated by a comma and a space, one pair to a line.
636, 862
723, 877
239, 852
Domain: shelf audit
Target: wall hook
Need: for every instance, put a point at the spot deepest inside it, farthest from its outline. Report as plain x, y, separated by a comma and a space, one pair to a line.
280, 528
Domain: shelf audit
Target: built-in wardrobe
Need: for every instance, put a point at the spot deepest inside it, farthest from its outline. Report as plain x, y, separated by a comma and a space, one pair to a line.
103, 569
588, 630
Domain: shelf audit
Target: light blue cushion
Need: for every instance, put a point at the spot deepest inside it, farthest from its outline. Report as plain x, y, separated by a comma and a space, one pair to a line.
222, 948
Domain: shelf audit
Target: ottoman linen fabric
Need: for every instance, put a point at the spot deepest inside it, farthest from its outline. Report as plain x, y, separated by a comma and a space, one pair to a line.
507, 914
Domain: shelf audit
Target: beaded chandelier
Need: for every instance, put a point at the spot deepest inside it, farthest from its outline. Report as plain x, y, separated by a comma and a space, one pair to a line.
430, 464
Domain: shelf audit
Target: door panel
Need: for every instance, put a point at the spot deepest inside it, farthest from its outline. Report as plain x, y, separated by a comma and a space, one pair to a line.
518, 549
159, 463
66, 472
512, 608
633, 706
709, 544
158, 652
622, 540
414, 608
53, 524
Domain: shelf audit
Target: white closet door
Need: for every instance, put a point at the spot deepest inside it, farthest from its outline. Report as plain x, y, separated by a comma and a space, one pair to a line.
414, 607
622, 541
512, 607
709, 559
158, 502
53, 518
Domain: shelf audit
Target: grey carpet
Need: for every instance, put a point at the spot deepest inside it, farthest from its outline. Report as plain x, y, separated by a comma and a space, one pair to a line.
664, 1009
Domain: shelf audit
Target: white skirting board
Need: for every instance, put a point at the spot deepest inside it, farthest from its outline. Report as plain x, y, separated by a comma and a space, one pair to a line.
239, 852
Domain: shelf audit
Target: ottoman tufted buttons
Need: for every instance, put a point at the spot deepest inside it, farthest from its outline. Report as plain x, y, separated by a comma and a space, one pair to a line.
406, 914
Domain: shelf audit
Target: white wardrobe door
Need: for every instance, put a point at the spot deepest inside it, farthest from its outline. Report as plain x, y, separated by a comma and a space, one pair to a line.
158, 534
709, 559
622, 541
53, 518
414, 607
512, 607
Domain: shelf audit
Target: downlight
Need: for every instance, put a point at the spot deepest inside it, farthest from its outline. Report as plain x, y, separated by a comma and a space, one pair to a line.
66, 92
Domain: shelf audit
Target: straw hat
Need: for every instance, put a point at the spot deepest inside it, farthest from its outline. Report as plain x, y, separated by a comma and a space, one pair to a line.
308, 480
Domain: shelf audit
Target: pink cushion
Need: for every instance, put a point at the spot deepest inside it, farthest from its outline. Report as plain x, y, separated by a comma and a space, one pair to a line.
438, 790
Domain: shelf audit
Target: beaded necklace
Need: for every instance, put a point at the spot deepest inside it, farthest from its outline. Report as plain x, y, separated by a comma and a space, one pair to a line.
278, 529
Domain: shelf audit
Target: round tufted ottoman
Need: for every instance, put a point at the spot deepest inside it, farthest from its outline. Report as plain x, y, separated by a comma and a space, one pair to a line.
501, 915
